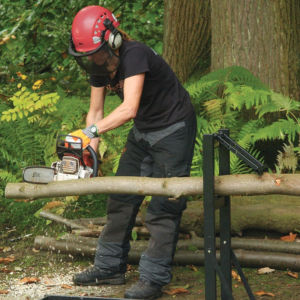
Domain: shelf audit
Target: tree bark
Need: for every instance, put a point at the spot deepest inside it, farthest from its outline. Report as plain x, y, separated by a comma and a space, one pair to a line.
262, 216
263, 245
260, 35
182, 257
247, 184
187, 34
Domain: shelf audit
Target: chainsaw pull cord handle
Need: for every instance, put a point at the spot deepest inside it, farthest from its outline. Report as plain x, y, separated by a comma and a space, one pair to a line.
95, 160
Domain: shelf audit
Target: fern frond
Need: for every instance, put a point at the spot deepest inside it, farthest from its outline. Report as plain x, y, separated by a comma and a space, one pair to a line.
284, 102
278, 129
287, 159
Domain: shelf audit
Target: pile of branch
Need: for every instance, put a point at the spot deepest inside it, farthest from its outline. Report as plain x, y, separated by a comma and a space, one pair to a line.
83, 237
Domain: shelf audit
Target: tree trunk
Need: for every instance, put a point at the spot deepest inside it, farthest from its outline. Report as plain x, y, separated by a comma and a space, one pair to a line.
187, 34
262, 36
227, 185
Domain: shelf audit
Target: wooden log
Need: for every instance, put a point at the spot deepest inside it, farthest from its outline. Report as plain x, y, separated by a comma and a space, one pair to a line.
142, 232
245, 184
251, 259
261, 216
195, 242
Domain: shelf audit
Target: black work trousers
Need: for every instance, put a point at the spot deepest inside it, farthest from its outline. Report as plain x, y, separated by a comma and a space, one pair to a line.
160, 154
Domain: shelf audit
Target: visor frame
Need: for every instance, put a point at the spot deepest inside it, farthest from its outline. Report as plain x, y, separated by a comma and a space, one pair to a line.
73, 52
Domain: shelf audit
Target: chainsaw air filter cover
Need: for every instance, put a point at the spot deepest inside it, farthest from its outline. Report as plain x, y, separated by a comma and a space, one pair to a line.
69, 165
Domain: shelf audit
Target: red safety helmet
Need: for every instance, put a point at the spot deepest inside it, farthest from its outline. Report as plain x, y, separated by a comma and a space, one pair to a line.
94, 30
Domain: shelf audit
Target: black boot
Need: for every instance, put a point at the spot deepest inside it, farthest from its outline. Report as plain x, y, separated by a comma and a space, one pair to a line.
95, 276
144, 290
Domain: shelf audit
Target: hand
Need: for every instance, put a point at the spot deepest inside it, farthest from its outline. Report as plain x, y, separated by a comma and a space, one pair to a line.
86, 135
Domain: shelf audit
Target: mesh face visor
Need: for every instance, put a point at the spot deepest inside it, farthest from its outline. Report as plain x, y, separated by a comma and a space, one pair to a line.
101, 61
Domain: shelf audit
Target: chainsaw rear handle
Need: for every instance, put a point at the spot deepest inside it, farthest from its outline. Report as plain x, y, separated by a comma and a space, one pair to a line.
95, 160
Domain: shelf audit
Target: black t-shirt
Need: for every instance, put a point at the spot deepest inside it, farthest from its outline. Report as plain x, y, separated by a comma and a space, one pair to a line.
164, 100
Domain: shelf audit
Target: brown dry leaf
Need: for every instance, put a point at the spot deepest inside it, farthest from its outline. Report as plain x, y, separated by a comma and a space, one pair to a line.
53, 204
235, 276
28, 280
289, 238
265, 270
295, 275
4, 270
6, 260
35, 250
130, 268
65, 286
193, 268
262, 293
176, 291
3, 292
83, 294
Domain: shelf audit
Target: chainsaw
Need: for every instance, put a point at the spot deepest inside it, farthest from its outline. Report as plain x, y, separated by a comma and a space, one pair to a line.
75, 163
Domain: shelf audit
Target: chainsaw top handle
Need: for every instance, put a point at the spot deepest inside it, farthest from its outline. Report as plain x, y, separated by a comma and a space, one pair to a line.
75, 148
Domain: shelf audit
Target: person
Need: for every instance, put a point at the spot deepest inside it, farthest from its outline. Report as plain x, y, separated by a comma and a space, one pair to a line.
160, 144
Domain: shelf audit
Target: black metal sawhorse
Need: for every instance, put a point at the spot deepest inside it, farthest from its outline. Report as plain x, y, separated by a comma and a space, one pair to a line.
211, 204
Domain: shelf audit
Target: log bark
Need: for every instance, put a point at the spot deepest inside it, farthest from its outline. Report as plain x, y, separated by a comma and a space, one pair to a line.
247, 184
142, 232
259, 216
262, 245
182, 257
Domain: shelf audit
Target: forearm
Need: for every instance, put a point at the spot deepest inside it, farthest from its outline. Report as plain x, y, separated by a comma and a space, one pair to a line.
121, 115
93, 118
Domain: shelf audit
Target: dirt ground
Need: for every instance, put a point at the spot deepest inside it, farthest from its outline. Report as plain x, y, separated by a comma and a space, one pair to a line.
52, 274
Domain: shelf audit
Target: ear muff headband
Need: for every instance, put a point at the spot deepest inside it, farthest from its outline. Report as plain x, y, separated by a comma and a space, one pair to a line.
115, 37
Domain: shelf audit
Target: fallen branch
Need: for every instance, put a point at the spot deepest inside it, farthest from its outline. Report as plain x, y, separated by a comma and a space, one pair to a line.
102, 221
56, 218
247, 184
182, 257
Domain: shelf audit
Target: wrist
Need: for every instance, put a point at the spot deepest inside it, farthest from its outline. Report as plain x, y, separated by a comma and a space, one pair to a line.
91, 131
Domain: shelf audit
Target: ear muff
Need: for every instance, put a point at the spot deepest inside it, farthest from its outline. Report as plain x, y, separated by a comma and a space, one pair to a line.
115, 40
115, 37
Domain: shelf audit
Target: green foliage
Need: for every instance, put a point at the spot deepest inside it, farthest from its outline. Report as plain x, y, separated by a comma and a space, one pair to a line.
34, 39
220, 99
30, 124
25, 102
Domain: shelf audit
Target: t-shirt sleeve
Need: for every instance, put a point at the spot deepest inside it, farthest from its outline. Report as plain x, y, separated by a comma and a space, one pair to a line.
97, 81
135, 62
